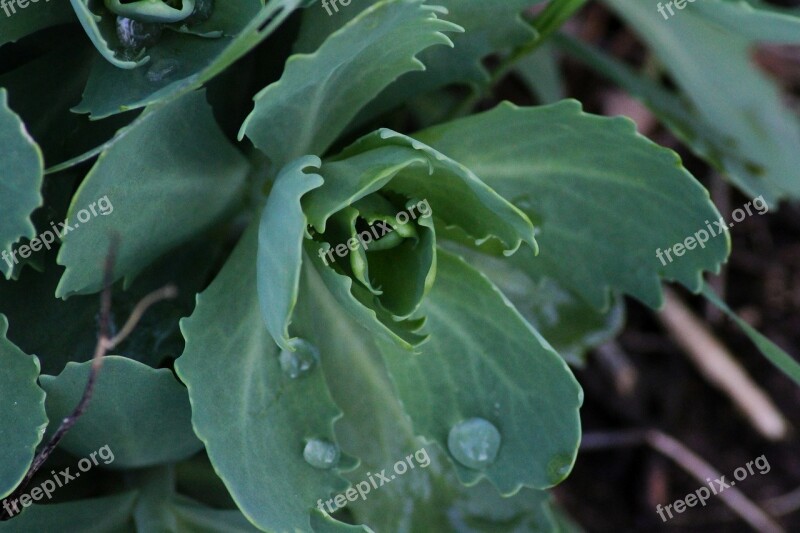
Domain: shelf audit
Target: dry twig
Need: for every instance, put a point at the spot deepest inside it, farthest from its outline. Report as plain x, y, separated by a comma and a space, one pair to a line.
105, 342
691, 463
720, 368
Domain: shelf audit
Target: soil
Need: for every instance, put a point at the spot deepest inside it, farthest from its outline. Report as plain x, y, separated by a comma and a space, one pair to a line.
619, 487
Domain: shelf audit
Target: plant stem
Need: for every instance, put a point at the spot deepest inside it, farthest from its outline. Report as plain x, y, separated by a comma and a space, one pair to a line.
105, 342
546, 24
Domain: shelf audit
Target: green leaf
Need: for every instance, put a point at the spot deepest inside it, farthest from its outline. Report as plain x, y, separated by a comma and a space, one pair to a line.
17, 22
320, 93
20, 182
540, 73
480, 508
100, 31
783, 361
197, 479
141, 413
181, 63
489, 27
604, 198
493, 366
47, 114
192, 164
766, 23
111, 514
741, 109
372, 181
151, 11
376, 429
191, 516
323, 523
389, 161
59, 331
253, 418
570, 325
22, 404
160, 508
670, 107
280, 247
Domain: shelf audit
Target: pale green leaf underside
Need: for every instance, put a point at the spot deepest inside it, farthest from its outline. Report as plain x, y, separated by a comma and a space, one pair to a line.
22, 405
176, 153
604, 198
20, 181
126, 396
483, 360
390, 161
192, 60
282, 233
739, 105
280, 246
252, 417
101, 31
320, 93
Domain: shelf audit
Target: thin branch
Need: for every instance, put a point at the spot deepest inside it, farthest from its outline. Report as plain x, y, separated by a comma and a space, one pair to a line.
720, 368
689, 461
783, 504
613, 358
164, 293
104, 343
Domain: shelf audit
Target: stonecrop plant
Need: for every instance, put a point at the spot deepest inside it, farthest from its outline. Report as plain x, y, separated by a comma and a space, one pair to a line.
375, 276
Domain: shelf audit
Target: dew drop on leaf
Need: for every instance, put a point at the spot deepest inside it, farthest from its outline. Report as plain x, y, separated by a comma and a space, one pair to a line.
301, 361
321, 454
474, 443
558, 467
135, 35
162, 69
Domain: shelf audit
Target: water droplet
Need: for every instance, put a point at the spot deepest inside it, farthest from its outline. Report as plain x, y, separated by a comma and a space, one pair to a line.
558, 467
321, 454
474, 443
162, 69
301, 361
136, 35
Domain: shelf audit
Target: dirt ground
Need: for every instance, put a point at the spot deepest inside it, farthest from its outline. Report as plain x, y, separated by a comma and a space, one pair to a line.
646, 381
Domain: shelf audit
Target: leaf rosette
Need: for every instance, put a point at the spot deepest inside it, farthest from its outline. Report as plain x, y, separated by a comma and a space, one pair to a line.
366, 221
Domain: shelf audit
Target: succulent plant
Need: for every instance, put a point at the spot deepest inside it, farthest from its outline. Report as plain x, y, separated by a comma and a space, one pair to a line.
370, 271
